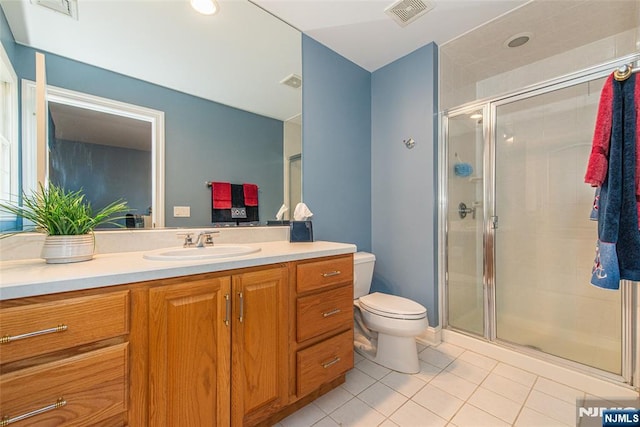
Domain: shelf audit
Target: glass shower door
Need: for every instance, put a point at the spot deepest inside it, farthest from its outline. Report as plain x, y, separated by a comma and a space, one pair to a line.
465, 301
545, 242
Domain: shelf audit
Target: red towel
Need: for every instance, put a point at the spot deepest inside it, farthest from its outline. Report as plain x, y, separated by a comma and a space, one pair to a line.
221, 195
250, 194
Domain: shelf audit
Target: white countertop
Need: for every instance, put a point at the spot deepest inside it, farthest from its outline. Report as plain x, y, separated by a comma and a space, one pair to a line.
32, 277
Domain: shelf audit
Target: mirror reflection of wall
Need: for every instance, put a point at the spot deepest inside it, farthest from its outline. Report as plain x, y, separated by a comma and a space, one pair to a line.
295, 183
109, 149
105, 155
292, 164
235, 137
8, 137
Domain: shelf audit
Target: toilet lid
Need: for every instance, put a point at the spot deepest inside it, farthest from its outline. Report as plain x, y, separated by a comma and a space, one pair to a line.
392, 306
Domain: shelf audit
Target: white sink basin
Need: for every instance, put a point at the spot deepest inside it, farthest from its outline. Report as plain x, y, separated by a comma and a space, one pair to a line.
208, 252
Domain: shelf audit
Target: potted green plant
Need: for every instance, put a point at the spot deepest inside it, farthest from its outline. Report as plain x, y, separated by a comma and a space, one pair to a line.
68, 220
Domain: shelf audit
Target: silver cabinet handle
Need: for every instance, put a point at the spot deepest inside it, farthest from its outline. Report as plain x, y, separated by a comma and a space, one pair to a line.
8, 338
227, 309
331, 273
241, 316
5, 421
330, 363
331, 313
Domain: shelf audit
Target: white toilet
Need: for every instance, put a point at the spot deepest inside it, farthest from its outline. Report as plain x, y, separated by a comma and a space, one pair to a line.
385, 325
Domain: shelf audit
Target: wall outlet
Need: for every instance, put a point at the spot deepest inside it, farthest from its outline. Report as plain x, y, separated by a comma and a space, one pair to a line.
181, 211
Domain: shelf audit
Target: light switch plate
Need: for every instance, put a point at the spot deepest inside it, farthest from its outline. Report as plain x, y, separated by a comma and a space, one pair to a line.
181, 211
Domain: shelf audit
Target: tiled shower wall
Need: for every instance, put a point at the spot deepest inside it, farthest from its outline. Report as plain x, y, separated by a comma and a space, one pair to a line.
566, 36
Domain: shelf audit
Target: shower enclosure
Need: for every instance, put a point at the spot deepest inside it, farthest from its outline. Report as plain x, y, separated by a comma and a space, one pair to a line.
518, 245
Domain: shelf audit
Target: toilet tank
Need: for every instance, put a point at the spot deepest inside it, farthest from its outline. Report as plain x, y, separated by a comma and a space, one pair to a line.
363, 263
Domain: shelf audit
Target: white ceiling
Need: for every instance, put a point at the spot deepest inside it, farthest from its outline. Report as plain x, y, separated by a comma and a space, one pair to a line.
238, 56
554, 27
361, 31
95, 127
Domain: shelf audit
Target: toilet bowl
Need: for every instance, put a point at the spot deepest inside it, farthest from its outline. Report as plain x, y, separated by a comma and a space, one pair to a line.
385, 325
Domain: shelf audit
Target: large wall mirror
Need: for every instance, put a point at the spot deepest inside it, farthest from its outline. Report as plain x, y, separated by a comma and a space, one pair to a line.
232, 111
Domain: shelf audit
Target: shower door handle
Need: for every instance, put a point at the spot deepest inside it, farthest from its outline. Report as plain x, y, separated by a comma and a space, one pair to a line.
494, 222
463, 211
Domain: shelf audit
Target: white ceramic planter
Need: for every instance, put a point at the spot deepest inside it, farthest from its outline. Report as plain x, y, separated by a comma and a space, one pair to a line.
66, 249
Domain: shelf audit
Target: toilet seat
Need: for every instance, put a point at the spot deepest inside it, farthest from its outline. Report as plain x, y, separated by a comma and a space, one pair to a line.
392, 306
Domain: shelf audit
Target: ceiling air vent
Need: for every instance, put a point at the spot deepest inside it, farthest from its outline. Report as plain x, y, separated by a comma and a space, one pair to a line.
293, 80
404, 12
66, 7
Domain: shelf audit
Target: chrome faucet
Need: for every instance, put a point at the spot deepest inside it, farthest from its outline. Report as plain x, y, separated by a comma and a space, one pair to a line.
205, 238
188, 240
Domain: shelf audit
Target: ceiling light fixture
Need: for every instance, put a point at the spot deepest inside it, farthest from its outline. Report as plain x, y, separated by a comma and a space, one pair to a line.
205, 7
475, 116
518, 40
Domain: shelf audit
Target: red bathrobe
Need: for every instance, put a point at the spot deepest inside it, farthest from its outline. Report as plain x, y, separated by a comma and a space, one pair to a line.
599, 158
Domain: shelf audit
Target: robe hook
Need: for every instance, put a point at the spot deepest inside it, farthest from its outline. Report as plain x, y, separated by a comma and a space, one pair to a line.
623, 72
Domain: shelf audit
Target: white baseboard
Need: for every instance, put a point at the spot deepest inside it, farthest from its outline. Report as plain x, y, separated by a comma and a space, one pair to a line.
432, 336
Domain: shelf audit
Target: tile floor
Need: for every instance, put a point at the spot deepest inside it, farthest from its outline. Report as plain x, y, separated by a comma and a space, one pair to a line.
455, 387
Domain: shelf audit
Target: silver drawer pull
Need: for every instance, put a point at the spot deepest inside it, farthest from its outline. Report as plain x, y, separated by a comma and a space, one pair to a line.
8, 338
241, 316
331, 313
331, 363
5, 421
331, 273
227, 309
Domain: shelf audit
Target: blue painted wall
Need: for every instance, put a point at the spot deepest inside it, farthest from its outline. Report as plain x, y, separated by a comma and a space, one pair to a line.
336, 145
404, 182
78, 165
360, 181
204, 140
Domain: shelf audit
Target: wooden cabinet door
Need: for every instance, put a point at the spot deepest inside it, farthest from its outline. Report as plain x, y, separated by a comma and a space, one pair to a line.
189, 354
259, 345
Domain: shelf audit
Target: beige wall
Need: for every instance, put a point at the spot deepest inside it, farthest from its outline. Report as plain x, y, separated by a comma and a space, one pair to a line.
292, 147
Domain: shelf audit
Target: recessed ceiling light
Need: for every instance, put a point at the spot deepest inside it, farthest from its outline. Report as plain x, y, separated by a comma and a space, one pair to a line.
206, 7
518, 40
475, 116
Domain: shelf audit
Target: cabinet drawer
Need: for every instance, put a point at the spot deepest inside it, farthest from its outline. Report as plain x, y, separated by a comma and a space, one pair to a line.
319, 274
320, 313
91, 385
36, 329
324, 362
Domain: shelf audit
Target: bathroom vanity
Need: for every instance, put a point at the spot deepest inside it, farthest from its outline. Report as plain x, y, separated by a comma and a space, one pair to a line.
123, 340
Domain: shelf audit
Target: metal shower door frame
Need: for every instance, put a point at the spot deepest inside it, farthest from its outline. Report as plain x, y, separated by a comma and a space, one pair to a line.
630, 298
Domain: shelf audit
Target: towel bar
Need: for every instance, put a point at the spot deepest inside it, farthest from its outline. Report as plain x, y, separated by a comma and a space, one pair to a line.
209, 183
